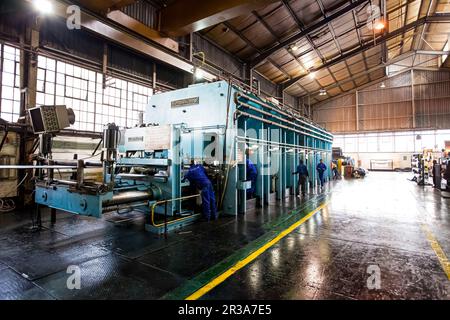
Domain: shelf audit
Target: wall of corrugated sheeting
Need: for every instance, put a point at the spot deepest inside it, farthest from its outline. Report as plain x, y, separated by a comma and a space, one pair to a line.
337, 115
143, 12
411, 100
218, 56
291, 101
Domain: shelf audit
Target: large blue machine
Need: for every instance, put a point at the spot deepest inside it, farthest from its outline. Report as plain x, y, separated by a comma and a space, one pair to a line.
217, 124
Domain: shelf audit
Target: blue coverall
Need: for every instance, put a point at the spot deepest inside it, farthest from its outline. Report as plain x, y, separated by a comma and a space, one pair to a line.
302, 170
321, 167
197, 177
252, 174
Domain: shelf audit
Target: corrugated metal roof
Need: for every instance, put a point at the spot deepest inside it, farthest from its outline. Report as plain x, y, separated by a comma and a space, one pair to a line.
327, 48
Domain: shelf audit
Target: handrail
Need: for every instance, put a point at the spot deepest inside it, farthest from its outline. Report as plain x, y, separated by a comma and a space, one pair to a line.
310, 132
284, 112
157, 203
238, 112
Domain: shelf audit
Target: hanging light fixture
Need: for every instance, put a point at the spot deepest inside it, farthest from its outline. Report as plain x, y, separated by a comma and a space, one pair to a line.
295, 47
322, 92
44, 6
382, 85
379, 25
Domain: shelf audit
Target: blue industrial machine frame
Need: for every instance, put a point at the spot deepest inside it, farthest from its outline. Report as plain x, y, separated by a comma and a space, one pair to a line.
218, 124
241, 120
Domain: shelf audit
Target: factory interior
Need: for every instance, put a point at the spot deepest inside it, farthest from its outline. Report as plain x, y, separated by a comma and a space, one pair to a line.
225, 150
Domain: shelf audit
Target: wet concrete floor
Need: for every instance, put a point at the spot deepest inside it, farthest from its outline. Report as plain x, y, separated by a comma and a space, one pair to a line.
371, 229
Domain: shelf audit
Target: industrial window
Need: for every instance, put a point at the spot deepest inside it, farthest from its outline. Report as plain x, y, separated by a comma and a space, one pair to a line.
427, 140
138, 98
404, 141
386, 142
351, 143
75, 88
338, 142
10, 83
46, 78
362, 143
372, 143
94, 101
393, 142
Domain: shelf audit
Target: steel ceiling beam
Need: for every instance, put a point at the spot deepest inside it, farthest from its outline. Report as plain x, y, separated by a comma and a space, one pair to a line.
336, 42
370, 44
268, 28
369, 71
301, 26
182, 17
104, 6
142, 29
251, 44
286, 43
101, 27
393, 61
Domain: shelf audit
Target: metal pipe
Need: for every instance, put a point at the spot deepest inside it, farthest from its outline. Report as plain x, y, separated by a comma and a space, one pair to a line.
20, 166
128, 197
284, 120
282, 145
80, 173
60, 181
278, 124
72, 163
126, 206
297, 116
165, 201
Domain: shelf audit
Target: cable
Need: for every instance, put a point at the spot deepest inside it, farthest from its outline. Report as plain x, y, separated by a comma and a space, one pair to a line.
95, 155
18, 185
7, 205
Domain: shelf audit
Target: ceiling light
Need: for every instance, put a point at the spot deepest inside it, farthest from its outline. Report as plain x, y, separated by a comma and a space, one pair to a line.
379, 25
322, 92
198, 73
44, 6
382, 85
312, 74
295, 47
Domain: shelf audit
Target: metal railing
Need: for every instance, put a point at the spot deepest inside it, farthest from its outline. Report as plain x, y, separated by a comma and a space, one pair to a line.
165, 202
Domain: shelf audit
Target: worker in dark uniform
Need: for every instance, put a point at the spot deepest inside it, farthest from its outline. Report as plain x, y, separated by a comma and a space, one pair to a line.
321, 168
302, 171
437, 175
252, 174
197, 177
447, 175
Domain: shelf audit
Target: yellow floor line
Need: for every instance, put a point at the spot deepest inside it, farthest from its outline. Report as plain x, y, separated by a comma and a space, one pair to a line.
437, 250
240, 264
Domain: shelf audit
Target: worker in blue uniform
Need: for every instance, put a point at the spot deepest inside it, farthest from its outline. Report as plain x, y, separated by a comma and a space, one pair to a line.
252, 174
302, 171
321, 168
198, 178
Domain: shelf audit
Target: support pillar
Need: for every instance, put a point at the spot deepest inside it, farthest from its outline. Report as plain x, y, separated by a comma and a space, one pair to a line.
357, 110
413, 103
